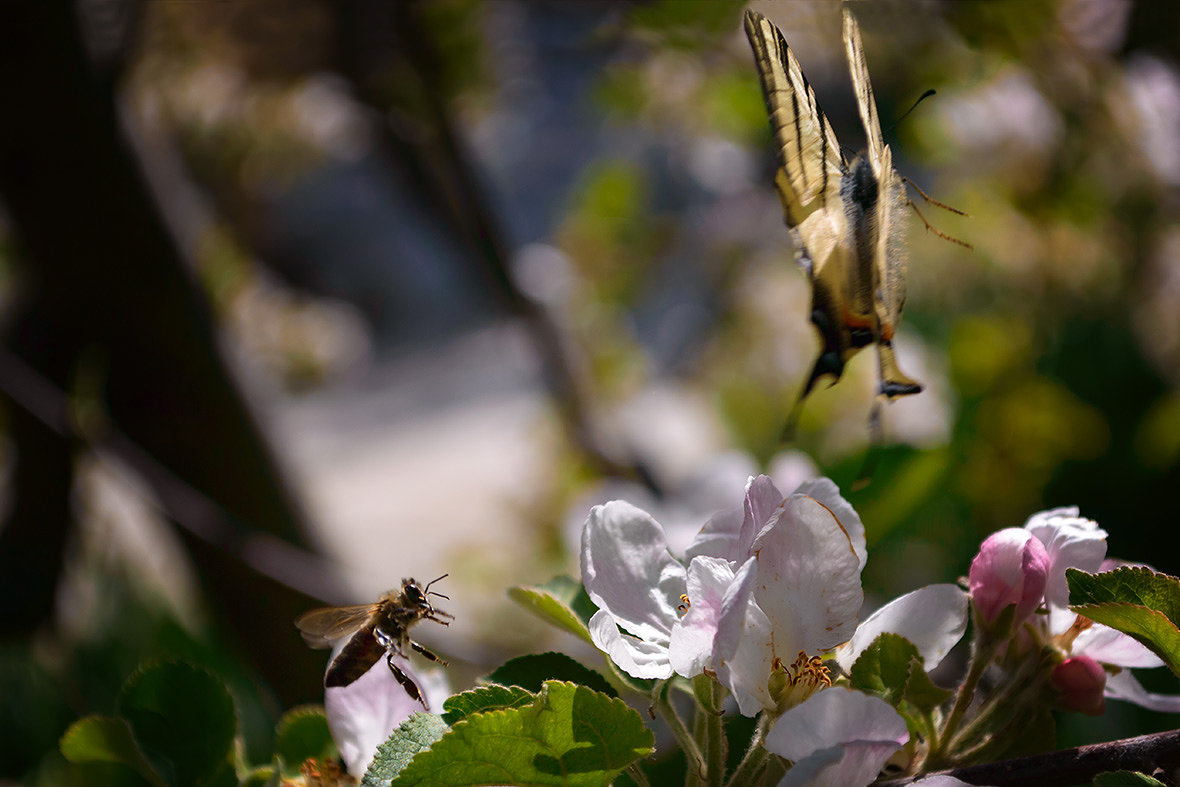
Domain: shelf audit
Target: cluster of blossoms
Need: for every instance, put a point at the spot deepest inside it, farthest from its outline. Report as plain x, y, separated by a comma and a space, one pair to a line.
767, 602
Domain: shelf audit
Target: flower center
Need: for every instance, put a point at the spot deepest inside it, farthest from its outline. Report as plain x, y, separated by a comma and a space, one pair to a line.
794, 684
684, 604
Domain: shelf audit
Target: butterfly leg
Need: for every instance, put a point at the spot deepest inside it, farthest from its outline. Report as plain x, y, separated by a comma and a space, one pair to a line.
426, 654
406, 681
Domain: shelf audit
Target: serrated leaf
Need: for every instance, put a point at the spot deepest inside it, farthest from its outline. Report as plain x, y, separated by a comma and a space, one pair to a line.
182, 719
484, 698
921, 692
569, 736
1125, 779
547, 606
105, 739
531, 671
1137, 601
303, 734
883, 669
416, 734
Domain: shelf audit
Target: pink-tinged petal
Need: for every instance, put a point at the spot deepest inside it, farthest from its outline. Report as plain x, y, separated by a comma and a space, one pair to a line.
1124, 686
743, 650
629, 572
1080, 682
1010, 568
1071, 542
942, 780
691, 648
720, 537
934, 618
827, 493
362, 714
637, 657
1110, 646
865, 732
761, 504
808, 578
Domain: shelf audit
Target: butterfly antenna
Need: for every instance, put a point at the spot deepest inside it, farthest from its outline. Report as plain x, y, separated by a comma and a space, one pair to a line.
906, 114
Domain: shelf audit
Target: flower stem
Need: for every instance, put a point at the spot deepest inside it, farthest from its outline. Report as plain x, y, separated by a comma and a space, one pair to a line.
984, 651
1024, 685
708, 727
637, 775
692, 752
754, 760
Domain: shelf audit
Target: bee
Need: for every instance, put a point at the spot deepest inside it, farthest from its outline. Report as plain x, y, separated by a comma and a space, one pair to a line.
375, 629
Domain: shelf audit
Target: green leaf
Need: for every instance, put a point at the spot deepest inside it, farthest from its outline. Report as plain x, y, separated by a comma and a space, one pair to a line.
569, 735
531, 671
263, 776
105, 739
182, 718
303, 734
921, 692
484, 698
1136, 601
1125, 779
416, 734
883, 668
558, 602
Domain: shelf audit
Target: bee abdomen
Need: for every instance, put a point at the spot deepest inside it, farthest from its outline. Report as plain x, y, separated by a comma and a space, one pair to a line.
358, 655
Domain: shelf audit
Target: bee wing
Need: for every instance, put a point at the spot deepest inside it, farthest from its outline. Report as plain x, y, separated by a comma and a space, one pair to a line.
320, 626
812, 165
865, 102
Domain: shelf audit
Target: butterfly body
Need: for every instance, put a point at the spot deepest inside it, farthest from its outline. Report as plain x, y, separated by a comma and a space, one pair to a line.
845, 218
374, 630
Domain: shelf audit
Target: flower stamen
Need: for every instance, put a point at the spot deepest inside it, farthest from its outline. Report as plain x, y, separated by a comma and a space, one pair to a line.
792, 685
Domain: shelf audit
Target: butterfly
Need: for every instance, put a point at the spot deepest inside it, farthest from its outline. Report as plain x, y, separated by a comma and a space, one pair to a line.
845, 217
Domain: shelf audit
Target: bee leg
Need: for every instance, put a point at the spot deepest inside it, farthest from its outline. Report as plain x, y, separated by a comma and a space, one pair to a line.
407, 683
426, 654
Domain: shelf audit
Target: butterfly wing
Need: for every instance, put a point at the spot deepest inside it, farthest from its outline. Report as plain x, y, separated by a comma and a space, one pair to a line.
811, 164
890, 253
321, 626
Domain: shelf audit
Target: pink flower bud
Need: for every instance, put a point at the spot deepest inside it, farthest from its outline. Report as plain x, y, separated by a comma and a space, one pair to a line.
1081, 681
1011, 568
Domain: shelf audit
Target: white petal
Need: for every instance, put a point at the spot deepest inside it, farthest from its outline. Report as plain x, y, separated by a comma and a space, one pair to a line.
808, 578
826, 492
851, 765
933, 618
1072, 542
866, 729
761, 504
942, 780
638, 658
1124, 686
691, 647
362, 714
720, 537
1110, 646
743, 650
628, 570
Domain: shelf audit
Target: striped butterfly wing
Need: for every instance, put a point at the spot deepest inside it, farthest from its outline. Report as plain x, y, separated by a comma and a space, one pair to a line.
811, 164
890, 253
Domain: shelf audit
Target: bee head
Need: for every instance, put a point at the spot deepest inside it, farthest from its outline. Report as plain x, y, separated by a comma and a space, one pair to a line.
417, 595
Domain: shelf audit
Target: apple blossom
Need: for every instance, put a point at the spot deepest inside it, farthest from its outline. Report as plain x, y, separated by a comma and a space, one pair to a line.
1081, 682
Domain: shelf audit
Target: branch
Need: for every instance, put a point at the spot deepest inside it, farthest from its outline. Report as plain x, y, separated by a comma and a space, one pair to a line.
1146, 753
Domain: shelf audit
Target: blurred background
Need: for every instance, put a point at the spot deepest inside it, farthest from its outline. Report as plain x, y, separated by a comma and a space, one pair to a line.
299, 298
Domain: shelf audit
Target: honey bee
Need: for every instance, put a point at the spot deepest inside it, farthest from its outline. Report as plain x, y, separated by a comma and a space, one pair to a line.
375, 629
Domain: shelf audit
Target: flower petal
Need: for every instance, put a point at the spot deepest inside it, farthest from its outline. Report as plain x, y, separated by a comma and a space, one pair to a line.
637, 657
1110, 646
866, 732
762, 501
691, 647
362, 714
720, 537
827, 493
933, 618
629, 572
1072, 542
808, 577
743, 650
1010, 569
1124, 686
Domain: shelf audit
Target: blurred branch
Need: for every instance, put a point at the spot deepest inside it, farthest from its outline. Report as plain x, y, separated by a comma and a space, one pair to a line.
110, 282
373, 36
1148, 754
